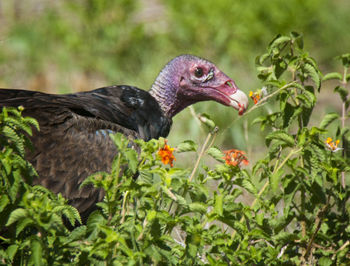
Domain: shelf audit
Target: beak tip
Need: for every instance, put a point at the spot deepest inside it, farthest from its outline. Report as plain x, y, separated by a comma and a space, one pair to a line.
239, 101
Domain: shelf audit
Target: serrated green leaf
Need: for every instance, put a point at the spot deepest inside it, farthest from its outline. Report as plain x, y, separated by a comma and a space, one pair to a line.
32, 121
12, 135
176, 197
145, 176
36, 249
4, 200
258, 119
94, 221
310, 98
72, 214
343, 93
131, 157
345, 58
332, 75
16, 215
288, 114
285, 237
216, 154
259, 60
325, 261
328, 119
275, 178
298, 39
119, 140
239, 227
197, 207
11, 251
205, 119
151, 215
22, 223
281, 136
313, 73
218, 205
280, 40
249, 186
187, 145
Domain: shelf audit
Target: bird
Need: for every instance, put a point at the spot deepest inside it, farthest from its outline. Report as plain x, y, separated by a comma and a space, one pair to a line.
73, 141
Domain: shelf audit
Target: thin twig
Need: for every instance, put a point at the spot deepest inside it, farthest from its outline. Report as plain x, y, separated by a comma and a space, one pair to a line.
261, 103
123, 207
292, 152
319, 219
212, 139
340, 249
202, 152
194, 114
263, 100
343, 118
145, 222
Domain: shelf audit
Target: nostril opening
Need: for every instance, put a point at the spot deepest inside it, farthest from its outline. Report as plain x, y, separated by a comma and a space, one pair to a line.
229, 83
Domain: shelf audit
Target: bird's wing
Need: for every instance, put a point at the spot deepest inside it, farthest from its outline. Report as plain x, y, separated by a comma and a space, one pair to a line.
73, 141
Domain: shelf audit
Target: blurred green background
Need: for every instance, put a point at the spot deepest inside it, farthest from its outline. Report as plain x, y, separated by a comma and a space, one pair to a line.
64, 46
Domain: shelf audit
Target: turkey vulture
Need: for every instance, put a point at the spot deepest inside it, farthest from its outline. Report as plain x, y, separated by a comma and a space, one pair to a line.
73, 140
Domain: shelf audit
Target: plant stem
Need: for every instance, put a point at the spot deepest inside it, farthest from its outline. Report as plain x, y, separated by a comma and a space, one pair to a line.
202, 152
291, 153
319, 219
263, 100
343, 118
302, 190
123, 207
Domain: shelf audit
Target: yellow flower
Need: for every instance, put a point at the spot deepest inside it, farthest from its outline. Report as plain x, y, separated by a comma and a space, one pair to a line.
235, 157
254, 96
332, 145
166, 154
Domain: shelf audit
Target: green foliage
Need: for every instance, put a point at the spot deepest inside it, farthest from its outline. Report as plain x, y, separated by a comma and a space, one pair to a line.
31, 222
12, 163
66, 46
289, 208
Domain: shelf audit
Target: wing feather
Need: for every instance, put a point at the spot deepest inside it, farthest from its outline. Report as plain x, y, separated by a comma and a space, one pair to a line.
73, 140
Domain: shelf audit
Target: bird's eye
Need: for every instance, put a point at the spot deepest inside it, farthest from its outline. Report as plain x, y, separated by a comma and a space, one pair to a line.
198, 72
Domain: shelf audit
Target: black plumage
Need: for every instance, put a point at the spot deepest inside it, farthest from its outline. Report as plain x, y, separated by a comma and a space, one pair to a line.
73, 141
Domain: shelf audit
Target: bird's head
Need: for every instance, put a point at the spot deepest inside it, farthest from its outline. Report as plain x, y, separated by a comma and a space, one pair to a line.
188, 79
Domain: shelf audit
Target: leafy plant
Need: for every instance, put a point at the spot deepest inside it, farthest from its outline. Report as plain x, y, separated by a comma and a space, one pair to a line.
31, 217
289, 208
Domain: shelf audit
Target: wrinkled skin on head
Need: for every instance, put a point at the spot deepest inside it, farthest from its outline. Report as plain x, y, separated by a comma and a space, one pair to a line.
193, 80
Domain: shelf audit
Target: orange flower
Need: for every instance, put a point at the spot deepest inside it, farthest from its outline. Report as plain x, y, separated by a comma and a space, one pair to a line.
235, 157
254, 96
332, 145
166, 154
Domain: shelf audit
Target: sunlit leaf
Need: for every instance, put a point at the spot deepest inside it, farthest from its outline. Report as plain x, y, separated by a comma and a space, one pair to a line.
313, 73
216, 154
218, 207
187, 145
36, 249
275, 178
332, 75
11, 251
282, 136
343, 93
328, 119
16, 215
197, 207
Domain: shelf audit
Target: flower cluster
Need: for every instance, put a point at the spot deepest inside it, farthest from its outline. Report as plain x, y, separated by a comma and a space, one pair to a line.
235, 157
166, 154
256, 96
332, 145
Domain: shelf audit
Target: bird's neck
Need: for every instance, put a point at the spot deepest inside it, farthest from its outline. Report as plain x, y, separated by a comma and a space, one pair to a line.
164, 90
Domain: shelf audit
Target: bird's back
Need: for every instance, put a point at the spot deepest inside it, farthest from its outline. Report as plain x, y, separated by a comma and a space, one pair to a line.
73, 141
